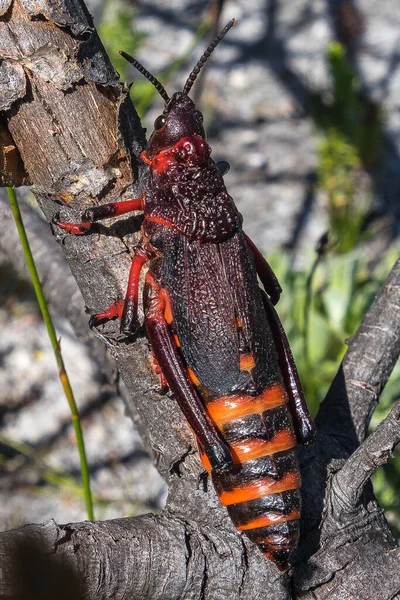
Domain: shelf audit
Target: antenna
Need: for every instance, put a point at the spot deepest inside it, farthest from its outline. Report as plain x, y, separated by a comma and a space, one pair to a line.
193, 75
157, 84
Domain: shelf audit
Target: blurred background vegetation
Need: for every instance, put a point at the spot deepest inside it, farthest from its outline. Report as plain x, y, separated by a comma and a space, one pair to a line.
327, 291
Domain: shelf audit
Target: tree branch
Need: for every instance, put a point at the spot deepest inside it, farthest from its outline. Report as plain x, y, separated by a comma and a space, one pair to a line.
328, 551
369, 361
61, 290
154, 557
348, 484
12, 171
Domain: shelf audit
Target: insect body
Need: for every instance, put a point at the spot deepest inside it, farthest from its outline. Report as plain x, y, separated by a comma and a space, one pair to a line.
214, 333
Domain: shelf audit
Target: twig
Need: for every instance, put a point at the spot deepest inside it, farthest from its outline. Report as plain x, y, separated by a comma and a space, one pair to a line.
369, 361
349, 482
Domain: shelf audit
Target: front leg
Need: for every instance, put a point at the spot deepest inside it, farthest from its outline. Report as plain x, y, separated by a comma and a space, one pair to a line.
127, 310
97, 213
177, 377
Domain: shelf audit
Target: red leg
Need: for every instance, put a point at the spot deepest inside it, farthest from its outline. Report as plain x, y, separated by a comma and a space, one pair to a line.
113, 312
265, 273
158, 371
126, 310
129, 322
96, 213
304, 425
177, 377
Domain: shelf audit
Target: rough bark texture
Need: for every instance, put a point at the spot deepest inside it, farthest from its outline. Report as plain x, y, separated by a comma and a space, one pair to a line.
12, 171
78, 137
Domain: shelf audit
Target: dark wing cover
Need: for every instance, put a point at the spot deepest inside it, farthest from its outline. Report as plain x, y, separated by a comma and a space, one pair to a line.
256, 334
203, 310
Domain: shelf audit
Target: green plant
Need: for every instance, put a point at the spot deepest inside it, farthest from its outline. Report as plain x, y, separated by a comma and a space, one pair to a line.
351, 131
56, 349
318, 324
117, 32
342, 288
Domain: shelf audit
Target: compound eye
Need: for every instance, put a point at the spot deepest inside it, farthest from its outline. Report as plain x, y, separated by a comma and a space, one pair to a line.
159, 123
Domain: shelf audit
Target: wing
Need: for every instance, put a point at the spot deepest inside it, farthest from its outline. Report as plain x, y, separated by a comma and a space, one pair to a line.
203, 309
238, 264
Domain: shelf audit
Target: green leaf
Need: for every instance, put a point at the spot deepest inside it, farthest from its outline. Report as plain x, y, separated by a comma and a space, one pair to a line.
319, 336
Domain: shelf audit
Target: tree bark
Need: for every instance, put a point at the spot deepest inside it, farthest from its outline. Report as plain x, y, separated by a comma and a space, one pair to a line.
78, 138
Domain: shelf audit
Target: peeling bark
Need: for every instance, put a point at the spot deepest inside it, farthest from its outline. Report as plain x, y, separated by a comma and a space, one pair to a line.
79, 138
12, 170
63, 104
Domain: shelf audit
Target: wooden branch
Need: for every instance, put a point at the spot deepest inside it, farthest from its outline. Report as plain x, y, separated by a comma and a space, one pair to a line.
12, 170
369, 361
61, 290
146, 557
59, 83
341, 540
348, 484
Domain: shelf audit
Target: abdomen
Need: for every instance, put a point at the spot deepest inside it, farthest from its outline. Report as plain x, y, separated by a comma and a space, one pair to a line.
261, 493
220, 324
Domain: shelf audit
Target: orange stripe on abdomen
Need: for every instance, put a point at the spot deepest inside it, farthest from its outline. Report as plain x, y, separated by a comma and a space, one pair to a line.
228, 408
261, 488
256, 448
271, 518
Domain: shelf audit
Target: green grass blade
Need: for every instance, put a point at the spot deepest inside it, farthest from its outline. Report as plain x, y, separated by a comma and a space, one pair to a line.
56, 347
